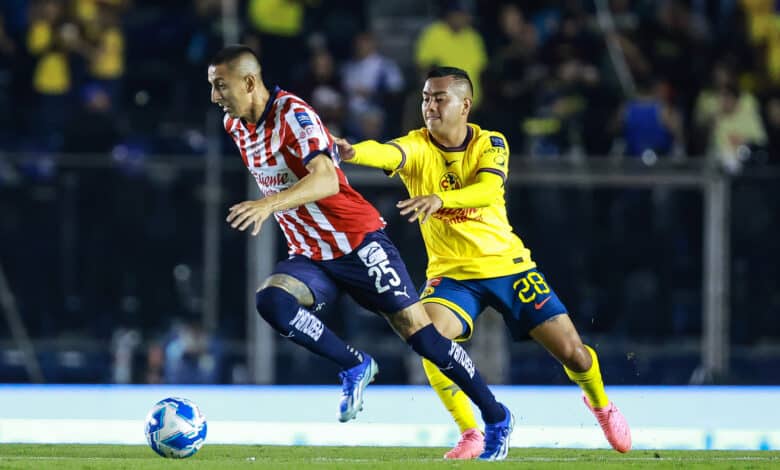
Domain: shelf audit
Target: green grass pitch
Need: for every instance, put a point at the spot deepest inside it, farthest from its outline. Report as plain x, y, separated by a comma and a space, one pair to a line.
63, 457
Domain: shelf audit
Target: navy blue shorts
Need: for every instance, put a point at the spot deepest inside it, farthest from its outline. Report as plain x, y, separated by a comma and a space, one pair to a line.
373, 274
525, 300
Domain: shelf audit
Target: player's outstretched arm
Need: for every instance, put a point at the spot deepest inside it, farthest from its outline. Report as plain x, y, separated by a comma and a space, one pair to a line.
321, 182
388, 157
346, 151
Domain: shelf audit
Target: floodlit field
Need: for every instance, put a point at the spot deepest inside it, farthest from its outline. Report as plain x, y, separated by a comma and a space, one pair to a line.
62, 457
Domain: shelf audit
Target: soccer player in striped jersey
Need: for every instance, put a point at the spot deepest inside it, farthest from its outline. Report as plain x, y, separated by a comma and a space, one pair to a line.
335, 238
455, 173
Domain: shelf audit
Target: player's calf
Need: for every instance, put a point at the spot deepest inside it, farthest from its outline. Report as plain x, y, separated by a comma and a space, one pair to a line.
455, 363
285, 315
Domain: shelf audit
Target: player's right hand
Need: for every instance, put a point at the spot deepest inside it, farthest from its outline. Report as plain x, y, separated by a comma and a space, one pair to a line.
246, 213
346, 152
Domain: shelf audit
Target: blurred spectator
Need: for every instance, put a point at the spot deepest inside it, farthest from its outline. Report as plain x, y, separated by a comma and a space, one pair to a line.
555, 127
452, 41
673, 47
650, 126
772, 122
372, 83
51, 39
708, 103
571, 41
106, 58
8, 57
735, 128
279, 25
512, 77
321, 88
192, 355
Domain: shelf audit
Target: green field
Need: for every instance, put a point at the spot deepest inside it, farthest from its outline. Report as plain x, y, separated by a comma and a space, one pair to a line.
62, 457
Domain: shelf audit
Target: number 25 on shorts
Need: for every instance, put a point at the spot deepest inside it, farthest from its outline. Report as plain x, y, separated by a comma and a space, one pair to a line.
529, 286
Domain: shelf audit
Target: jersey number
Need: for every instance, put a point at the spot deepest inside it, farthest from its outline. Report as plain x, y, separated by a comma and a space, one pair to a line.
527, 287
378, 273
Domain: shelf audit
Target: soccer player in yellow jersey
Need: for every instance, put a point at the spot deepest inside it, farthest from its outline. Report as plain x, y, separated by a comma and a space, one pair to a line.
455, 173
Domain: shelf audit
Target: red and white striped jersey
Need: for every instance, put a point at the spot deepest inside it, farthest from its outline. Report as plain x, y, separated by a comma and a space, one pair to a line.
276, 150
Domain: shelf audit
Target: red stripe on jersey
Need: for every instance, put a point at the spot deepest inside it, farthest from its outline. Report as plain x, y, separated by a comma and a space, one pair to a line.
327, 236
242, 143
314, 143
298, 232
292, 246
272, 125
253, 138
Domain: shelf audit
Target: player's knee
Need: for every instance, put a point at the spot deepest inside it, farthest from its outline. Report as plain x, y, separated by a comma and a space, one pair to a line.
277, 307
576, 357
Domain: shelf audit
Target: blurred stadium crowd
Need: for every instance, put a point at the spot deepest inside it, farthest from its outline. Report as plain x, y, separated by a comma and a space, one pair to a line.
673, 77
656, 82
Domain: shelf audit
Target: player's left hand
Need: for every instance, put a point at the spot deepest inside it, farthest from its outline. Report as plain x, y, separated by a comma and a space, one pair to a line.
421, 207
246, 213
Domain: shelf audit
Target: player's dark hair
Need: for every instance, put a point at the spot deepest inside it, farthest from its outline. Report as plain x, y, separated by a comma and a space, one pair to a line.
229, 53
456, 73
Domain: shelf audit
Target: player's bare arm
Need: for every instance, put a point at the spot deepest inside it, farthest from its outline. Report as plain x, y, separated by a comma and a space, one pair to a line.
321, 182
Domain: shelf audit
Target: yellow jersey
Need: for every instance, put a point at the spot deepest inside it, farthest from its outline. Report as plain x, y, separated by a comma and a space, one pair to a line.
462, 241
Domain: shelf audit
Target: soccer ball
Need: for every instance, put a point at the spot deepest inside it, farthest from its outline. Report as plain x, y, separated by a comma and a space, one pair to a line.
175, 428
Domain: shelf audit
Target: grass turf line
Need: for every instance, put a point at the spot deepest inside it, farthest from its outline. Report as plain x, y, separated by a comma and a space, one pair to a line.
64, 457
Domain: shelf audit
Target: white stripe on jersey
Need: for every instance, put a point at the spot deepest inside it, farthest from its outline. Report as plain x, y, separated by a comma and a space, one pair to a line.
303, 134
296, 234
327, 252
322, 221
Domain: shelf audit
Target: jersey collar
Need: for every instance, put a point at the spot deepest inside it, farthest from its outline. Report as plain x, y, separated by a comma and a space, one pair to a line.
458, 148
271, 98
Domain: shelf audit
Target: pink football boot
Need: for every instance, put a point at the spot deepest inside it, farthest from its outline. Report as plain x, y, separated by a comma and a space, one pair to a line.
470, 446
614, 425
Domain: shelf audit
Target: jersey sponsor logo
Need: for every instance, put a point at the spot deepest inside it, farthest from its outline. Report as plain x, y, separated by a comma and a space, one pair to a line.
457, 216
303, 118
448, 163
450, 181
372, 254
499, 160
307, 131
539, 305
278, 179
497, 141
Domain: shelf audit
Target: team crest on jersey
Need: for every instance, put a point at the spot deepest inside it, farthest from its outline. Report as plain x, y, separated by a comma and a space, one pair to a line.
450, 181
303, 117
497, 142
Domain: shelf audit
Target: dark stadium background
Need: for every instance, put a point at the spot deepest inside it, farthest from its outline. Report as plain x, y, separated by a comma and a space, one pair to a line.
115, 177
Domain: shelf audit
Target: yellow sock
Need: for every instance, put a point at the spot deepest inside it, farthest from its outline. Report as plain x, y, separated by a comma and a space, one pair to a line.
456, 402
590, 382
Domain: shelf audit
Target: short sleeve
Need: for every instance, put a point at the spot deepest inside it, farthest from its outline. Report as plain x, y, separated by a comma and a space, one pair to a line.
494, 155
306, 133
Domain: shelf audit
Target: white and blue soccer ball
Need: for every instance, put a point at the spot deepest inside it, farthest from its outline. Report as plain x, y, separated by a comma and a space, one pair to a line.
175, 428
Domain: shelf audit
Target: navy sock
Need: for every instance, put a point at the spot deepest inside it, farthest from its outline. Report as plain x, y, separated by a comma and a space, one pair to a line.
456, 364
285, 315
